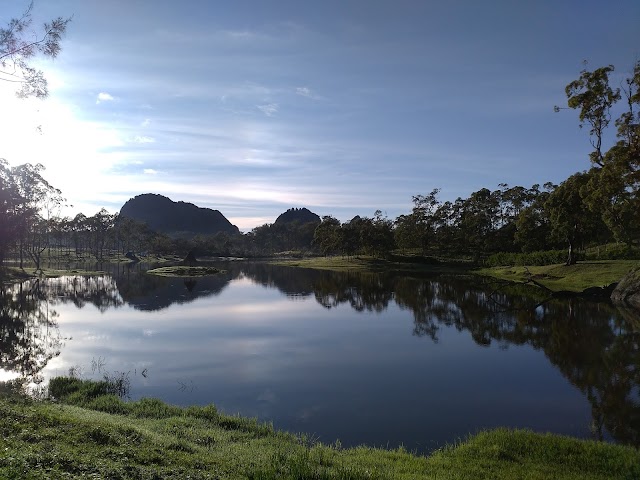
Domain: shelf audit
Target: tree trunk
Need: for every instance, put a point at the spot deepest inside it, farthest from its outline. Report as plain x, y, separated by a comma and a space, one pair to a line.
571, 258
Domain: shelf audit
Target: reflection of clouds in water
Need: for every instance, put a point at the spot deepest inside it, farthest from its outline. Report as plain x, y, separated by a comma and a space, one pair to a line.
268, 396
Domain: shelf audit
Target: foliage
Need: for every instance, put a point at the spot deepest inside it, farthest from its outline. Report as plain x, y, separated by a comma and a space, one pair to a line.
613, 251
27, 202
19, 44
571, 219
592, 94
613, 188
544, 257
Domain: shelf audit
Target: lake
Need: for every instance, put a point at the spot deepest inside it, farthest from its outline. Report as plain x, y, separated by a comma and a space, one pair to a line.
376, 359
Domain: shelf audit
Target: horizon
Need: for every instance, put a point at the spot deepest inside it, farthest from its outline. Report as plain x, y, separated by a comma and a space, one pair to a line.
252, 109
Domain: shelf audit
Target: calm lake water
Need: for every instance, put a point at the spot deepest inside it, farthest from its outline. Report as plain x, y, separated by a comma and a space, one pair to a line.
382, 360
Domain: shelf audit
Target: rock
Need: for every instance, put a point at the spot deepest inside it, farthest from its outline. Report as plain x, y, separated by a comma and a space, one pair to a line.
132, 256
628, 290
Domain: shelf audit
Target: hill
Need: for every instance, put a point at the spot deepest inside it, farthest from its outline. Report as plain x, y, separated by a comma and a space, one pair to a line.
301, 215
164, 215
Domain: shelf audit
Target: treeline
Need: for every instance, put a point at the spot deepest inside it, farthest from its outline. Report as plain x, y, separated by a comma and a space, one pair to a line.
592, 207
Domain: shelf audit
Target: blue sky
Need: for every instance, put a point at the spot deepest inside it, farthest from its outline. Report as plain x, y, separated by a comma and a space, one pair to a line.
343, 107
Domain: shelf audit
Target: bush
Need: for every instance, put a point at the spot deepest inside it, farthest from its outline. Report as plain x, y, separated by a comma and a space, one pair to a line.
80, 390
613, 251
546, 257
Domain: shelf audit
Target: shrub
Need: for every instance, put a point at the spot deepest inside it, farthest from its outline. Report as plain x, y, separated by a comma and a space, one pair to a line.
546, 257
614, 251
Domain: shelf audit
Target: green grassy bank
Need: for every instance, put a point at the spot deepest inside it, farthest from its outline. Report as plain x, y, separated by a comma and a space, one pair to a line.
573, 278
89, 433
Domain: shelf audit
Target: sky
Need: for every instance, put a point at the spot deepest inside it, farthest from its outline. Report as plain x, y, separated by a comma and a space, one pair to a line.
345, 107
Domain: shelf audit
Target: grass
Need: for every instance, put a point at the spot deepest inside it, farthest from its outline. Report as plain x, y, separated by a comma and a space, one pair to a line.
184, 271
90, 433
574, 278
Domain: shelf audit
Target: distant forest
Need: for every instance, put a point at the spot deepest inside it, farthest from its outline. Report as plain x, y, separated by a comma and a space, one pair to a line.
593, 207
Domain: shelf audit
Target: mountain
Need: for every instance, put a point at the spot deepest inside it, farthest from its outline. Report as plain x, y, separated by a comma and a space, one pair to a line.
301, 215
164, 215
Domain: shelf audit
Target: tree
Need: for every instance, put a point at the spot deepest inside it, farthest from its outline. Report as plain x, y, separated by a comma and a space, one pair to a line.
327, 236
614, 185
26, 203
100, 225
571, 219
19, 44
376, 235
533, 229
593, 95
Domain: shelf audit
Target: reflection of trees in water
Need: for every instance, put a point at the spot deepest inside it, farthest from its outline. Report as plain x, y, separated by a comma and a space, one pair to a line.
29, 335
599, 352
100, 291
592, 344
290, 281
362, 291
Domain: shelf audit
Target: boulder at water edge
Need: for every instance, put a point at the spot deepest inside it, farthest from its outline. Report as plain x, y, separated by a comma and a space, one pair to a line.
628, 290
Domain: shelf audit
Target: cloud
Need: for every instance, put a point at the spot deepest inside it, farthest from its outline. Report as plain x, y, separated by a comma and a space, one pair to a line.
146, 122
269, 109
143, 139
306, 92
150, 171
104, 97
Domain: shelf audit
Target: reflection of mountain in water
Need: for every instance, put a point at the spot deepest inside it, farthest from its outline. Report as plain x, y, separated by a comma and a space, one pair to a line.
150, 292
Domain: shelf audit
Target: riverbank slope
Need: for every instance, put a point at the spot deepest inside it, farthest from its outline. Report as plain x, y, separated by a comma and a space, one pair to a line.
572, 278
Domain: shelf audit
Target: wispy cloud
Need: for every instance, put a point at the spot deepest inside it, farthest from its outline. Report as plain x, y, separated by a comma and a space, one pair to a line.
270, 109
146, 122
143, 139
307, 92
104, 97
150, 171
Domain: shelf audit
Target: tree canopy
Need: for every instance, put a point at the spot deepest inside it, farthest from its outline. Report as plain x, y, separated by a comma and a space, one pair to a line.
20, 43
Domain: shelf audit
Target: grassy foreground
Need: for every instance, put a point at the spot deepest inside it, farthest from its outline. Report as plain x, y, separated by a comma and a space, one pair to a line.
575, 278
89, 433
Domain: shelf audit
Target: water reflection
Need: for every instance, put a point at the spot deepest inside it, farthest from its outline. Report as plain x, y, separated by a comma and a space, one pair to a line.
29, 335
152, 293
593, 345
